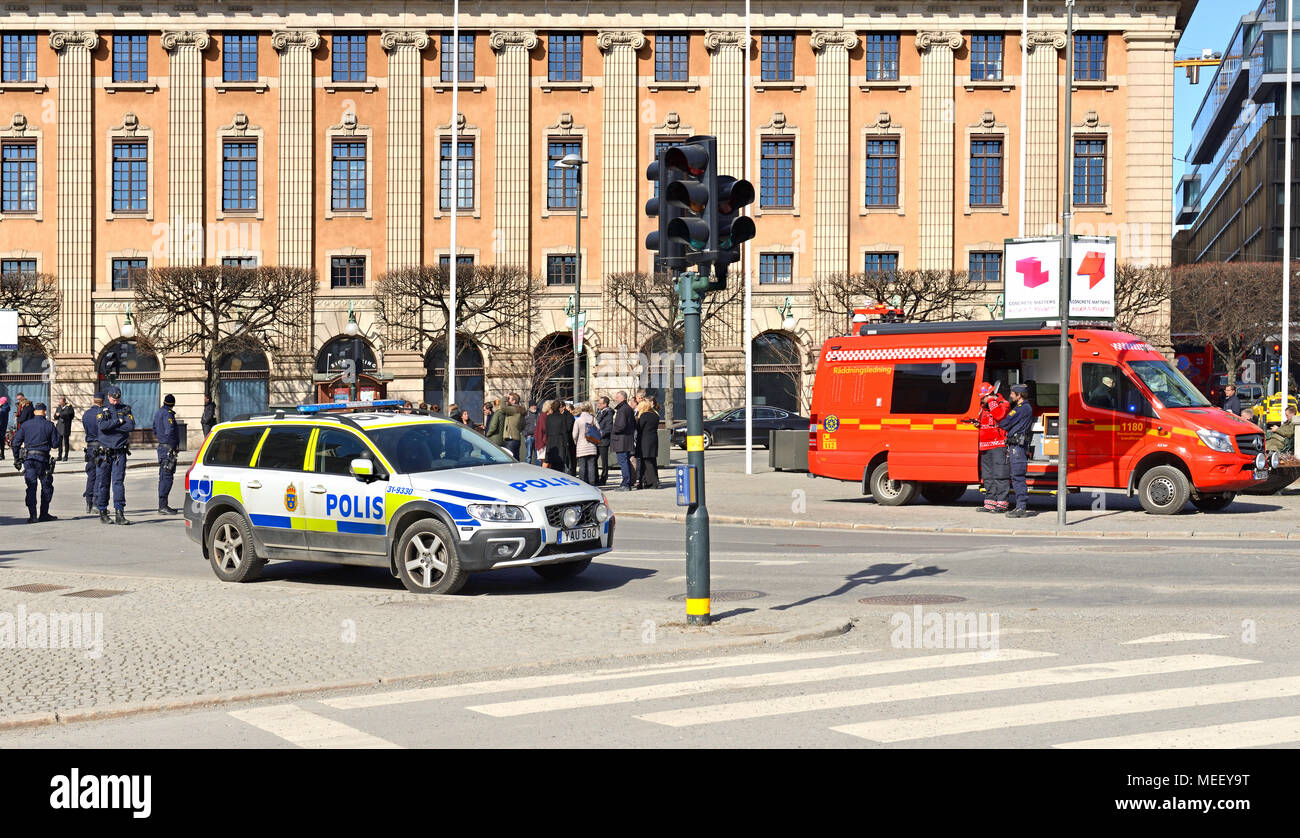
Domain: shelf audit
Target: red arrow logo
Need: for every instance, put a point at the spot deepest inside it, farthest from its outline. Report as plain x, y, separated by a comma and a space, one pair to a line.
1093, 267
1032, 270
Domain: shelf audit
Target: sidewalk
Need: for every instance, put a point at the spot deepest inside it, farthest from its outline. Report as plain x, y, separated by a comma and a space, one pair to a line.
786, 499
76, 462
142, 644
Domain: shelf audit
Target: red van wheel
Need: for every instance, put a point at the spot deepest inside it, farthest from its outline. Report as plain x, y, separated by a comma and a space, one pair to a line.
1164, 490
891, 492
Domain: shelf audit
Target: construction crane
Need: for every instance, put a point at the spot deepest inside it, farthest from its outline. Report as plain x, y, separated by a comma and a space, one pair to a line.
1207, 58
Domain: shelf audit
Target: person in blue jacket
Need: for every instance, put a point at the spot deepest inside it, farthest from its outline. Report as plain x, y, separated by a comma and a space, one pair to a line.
1019, 423
115, 423
32, 447
90, 424
169, 442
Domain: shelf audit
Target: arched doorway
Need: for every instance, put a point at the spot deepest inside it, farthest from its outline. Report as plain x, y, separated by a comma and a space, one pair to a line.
663, 366
243, 383
778, 371
553, 370
24, 370
137, 376
469, 376
336, 358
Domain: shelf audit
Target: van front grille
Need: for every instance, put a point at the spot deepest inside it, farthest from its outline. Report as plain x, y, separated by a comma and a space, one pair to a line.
1251, 444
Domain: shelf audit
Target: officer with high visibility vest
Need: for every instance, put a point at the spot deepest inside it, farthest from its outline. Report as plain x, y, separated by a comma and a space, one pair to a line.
993, 449
1019, 424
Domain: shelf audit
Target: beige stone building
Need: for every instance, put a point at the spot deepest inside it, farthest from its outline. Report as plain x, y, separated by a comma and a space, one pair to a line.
878, 134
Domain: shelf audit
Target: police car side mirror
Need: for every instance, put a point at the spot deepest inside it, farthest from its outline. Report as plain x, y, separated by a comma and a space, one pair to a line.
363, 469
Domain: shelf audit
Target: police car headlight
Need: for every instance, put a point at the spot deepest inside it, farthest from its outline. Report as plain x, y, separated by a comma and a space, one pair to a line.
602, 513
1216, 440
572, 516
499, 513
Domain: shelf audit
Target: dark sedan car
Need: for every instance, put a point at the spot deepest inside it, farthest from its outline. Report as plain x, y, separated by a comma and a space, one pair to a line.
728, 427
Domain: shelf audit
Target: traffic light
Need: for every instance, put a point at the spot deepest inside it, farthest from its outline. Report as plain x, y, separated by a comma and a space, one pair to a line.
733, 229
669, 253
112, 367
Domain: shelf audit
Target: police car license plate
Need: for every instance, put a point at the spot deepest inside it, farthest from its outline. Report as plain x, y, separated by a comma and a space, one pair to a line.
1261, 475
580, 534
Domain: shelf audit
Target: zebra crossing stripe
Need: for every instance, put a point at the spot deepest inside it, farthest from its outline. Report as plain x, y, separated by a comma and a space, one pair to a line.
1071, 709
1023, 679
1280, 731
308, 730
535, 682
678, 689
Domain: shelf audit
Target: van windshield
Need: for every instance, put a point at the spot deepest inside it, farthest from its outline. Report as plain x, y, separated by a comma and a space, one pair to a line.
1168, 384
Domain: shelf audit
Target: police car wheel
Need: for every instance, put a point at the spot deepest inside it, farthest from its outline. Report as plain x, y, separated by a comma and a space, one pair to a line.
1213, 501
891, 492
567, 570
426, 559
230, 550
1164, 490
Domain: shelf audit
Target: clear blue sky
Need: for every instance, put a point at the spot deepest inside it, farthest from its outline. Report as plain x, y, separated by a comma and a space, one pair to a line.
1210, 28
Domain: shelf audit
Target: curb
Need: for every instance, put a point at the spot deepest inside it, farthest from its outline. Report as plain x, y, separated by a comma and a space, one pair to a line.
788, 523
118, 711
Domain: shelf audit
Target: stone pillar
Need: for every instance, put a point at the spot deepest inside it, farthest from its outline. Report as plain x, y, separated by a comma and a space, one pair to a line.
619, 176
1147, 151
76, 202
514, 123
833, 205
937, 203
405, 158
185, 238
1042, 164
294, 215
727, 56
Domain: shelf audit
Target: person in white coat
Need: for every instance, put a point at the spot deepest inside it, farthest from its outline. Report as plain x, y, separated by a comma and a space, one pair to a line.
586, 450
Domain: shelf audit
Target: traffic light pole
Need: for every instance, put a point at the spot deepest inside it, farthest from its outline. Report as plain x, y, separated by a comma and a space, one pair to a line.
689, 289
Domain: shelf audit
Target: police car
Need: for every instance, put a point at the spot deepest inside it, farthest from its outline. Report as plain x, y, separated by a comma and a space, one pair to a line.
359, 483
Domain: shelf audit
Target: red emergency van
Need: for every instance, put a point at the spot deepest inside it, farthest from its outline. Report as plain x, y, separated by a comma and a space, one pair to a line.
892, 408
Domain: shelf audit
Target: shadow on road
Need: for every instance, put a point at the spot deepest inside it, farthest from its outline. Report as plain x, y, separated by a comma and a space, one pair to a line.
874, 575
597, 577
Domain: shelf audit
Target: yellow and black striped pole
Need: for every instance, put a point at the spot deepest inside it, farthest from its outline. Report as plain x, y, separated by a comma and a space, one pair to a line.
689, 289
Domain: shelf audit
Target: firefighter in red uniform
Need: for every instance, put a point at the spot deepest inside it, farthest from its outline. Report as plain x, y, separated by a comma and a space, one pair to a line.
994, 470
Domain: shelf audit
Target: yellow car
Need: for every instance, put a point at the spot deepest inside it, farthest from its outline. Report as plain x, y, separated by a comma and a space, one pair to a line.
1274, 408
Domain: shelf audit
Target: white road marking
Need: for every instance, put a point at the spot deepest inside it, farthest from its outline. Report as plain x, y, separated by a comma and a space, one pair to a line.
678, 689
1023, 679
1279, 731
1071, 709
1173, 637
535, 682
308, 730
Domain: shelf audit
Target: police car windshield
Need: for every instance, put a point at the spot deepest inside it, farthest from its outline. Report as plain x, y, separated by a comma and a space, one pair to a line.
1168, 384
430, 446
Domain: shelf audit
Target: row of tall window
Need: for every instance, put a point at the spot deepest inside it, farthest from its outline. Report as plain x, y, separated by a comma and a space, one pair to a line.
349, 158
983, 267
349, 57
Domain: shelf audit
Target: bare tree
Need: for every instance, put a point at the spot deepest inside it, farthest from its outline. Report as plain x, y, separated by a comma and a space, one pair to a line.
492, 303
552, 356
37, 299
922, 294
1235, 305
211, 310
652, 303
1141, 294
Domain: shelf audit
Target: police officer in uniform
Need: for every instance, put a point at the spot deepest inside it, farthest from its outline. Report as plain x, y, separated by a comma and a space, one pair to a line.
32, 448
1019, 423
90, 424
169, 440
115, 423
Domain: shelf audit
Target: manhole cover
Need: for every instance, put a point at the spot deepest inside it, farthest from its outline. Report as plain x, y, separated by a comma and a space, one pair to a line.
723, 596
36, 588
96, 593
912, 599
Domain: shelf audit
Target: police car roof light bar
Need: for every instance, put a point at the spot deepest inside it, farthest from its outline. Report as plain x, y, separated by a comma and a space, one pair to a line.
323, 407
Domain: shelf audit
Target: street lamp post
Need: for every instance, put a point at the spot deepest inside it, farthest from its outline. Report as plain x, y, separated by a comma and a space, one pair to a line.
575, 162
352, 330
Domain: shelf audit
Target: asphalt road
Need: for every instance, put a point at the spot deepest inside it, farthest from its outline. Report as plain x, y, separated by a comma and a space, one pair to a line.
1126, 641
